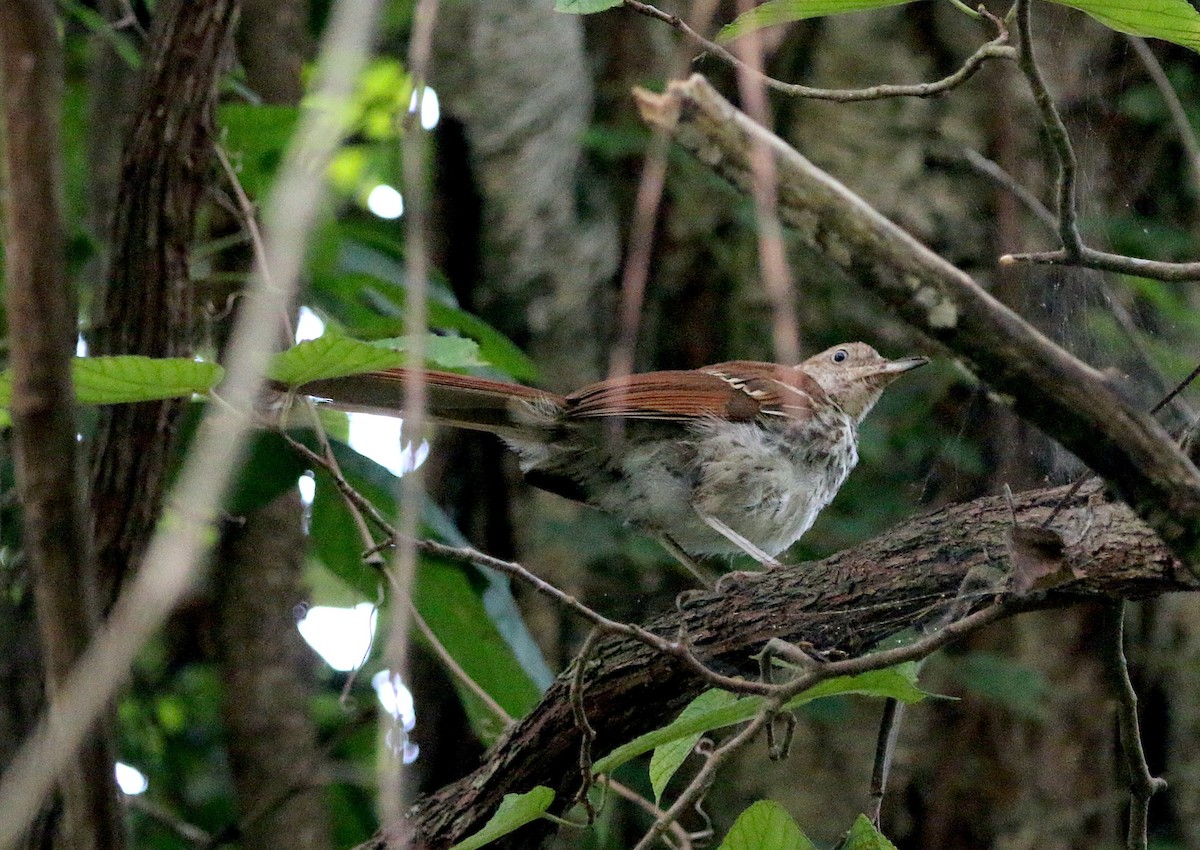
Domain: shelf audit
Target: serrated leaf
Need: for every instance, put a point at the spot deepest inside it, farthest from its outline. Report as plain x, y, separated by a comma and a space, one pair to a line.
515, 811
128, 378
330, 356
775, 12
584, 7
898, 682
766, 825
1171, 20
668, 758
864, 836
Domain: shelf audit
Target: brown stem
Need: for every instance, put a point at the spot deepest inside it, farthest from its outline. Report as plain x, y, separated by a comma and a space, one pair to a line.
42, 323
145, 306
1142, 784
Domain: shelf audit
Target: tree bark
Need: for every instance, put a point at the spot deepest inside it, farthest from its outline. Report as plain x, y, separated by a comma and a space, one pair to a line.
845, 604
267, 670
146, 305
42, 326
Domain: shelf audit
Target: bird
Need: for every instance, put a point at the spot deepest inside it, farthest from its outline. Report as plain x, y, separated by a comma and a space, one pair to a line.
737, 457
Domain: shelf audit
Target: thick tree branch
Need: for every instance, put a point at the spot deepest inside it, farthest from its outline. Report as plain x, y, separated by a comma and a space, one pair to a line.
844, 604
1074, 403
42, 324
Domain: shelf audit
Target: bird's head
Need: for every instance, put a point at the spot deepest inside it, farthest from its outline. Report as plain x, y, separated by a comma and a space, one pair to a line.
854, 375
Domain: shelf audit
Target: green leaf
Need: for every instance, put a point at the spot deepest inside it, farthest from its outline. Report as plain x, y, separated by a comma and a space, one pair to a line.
864, 836
129, 378
515, 811
1171, 20
775, 12
765, 825
897, 682
584, 7
444, 352
330, 356
670, 756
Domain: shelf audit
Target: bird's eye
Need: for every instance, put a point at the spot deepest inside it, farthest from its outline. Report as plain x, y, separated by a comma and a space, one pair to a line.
840, 355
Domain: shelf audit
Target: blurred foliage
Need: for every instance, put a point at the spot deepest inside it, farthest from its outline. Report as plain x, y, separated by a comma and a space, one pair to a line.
170, 718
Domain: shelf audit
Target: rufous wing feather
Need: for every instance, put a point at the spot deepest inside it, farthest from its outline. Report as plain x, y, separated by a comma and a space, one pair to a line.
738, 391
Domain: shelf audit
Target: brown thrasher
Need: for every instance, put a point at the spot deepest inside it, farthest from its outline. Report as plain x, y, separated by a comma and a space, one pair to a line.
735, 457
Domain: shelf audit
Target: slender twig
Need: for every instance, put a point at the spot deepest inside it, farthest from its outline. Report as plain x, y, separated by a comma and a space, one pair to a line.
997, 48
416, 267
704, 777
1142, 784
587, 734
1103, 261
1056, 130
636, 270
682, 837
178, 547
885, 746
1083, 479
998, 175
772, 258
1179, 117
187, 831
1073, 252
456, 669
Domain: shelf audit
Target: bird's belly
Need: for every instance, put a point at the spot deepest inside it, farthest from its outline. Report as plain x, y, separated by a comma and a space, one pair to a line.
766, 485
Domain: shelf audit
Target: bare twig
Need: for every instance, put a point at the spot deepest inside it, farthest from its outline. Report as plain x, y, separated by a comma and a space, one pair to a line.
180, 543
636, 270
1073, 251
1183, 125
704, 777
1142, 785
456, 669
587, 735
997, 48
772, 259
416, 267
885, 746
683, 839
998, 175
1090, 258
1060, 139
187, 831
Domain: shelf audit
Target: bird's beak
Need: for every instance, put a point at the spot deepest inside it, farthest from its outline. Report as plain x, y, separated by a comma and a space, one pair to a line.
904, 364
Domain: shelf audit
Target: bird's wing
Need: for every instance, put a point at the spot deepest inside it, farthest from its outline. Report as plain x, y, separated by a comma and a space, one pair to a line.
740, 391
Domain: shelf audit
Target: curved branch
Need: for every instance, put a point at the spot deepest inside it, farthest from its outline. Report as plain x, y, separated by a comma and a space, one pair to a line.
845, 604
997, 48
1066, 398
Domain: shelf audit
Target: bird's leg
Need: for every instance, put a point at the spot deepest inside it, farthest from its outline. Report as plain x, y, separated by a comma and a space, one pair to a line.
687, 561
737, 539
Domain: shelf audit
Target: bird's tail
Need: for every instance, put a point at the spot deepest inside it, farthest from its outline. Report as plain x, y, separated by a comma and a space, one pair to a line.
513, 411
